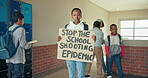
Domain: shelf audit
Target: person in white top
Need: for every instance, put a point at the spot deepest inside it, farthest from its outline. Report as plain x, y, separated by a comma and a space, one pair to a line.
16, 62
76, 24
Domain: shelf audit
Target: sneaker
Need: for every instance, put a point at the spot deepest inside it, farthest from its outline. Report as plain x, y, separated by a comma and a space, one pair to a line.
105, 73
87, 76
109, 76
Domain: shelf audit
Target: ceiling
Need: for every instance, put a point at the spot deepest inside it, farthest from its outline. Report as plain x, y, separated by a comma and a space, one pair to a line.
121, 5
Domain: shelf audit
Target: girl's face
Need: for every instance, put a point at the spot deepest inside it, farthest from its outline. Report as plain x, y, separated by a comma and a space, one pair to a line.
101, 25
21, 22
113, 30
76, 16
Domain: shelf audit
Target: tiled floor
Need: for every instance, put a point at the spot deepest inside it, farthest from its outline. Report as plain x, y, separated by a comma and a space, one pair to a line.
63, 73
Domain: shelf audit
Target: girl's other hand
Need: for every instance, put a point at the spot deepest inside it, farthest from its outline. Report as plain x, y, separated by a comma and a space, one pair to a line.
59, 38
93, 37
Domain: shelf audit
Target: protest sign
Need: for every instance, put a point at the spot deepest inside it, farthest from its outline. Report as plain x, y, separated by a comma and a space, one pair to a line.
76, 45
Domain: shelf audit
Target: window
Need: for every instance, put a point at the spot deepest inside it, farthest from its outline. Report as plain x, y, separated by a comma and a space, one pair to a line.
134, 29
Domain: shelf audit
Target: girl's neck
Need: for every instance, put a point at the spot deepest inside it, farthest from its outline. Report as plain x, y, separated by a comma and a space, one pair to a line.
95, 27
16, 23
114, 34
77, 22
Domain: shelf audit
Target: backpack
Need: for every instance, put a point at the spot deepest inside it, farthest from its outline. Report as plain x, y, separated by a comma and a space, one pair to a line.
7, 47
85, 26
108, 37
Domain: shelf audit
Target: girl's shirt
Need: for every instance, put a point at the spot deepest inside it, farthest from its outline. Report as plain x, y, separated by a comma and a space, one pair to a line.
79, 26
99, 37
116, 45
19, 36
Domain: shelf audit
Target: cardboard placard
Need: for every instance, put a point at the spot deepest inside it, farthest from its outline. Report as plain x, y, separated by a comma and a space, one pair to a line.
76, 45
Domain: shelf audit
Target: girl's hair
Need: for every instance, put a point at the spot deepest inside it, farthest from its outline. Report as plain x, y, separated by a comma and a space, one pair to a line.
16, 16
113, 25
76, 9
96, 24
99, 20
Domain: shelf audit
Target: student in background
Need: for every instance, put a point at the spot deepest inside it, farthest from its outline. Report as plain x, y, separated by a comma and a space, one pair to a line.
114, 51
16, 63
97, 49
103, 62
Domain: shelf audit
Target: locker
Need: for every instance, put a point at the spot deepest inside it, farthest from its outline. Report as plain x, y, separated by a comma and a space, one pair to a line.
15, 6
28, 71
4, 74
27, 11
3, 65
7, 8
3, 28
3, 10
28, 29
28, 55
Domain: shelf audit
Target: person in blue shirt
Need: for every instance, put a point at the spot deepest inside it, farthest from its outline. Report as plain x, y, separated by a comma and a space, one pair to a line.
97, 49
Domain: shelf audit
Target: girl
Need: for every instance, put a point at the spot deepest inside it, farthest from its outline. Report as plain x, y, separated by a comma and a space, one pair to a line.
98, 48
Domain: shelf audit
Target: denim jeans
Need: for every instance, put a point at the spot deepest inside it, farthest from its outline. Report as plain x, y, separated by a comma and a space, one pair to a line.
15, 70
103, 64
73, 65
117, 59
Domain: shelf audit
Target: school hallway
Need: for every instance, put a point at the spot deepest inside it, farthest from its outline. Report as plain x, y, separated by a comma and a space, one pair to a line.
63, 73
43, 20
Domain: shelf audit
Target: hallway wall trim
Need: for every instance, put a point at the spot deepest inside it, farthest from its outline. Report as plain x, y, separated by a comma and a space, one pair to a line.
135, 61
45, 58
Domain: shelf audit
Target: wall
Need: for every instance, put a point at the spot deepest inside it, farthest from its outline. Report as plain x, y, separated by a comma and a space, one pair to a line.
48, 17
45, 58
115, 17
136, 51
135, 61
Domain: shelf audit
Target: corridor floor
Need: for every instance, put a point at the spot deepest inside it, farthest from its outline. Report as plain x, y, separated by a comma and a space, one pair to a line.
63, 73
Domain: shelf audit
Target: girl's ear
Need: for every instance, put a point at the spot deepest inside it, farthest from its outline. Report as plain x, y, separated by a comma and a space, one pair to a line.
18, 20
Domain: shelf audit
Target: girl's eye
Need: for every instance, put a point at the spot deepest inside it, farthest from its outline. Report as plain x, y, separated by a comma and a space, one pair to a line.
74, 15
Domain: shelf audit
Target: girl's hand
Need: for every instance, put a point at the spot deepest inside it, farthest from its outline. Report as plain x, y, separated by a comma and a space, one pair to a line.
59, 38
108, 55
103, 42
93, 37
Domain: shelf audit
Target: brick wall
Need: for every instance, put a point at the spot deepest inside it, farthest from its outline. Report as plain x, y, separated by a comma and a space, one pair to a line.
44, 58
135, 61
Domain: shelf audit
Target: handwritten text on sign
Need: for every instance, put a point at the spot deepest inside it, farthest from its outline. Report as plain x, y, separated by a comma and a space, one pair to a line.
76, 45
